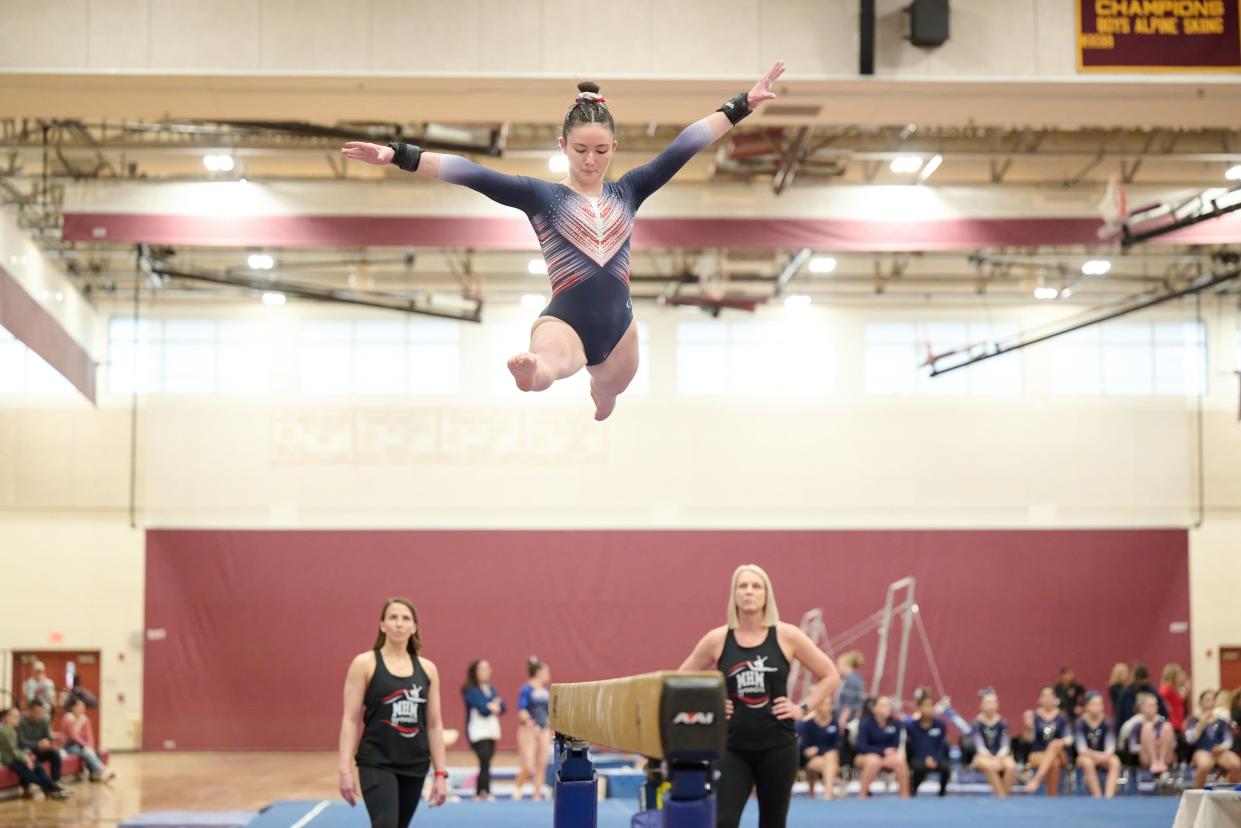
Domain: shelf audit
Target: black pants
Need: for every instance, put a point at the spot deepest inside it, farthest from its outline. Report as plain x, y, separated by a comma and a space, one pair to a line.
918, 772
772, 772
484, 749
37, 776
52, 757
391, 798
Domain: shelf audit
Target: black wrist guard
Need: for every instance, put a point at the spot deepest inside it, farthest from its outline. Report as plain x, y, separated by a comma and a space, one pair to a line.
736, 107
407, 155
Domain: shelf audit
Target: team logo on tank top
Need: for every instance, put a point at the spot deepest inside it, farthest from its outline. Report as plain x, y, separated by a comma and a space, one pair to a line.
751, 681
403, 715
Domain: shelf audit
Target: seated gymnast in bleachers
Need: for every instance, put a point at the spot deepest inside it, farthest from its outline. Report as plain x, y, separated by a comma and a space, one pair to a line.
1096, 746
926, 743
990, 745
1049, 745
1211, 741
1148, 737
819, 740
879, 748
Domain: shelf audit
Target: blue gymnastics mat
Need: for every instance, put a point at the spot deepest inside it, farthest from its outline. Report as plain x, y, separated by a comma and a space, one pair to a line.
1015, 812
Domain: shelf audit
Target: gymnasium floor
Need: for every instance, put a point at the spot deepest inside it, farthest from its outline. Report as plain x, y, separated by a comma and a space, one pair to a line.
299, 782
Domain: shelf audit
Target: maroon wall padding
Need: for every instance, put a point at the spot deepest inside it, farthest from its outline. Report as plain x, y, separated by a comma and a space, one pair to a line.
30, 322
261, 625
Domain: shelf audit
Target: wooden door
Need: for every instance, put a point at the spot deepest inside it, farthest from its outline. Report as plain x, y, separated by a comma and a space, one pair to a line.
85, 667
1230, 667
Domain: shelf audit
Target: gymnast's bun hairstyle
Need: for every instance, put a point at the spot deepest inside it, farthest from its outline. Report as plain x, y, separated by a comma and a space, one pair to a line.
588, 108
533, 665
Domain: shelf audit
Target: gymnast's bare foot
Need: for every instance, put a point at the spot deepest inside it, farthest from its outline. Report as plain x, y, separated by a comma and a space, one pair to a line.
525, 369
604, 406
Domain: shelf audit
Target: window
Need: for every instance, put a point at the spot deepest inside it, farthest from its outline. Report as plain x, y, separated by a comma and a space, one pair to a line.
896, 354
377, 358
135, 356
23, 372
188, 356
754, 357
1132, 359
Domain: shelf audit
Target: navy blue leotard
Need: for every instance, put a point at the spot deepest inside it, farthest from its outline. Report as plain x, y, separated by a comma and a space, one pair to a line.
585, 242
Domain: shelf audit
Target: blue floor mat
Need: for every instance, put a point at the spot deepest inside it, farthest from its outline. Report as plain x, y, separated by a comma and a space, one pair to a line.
1016, 812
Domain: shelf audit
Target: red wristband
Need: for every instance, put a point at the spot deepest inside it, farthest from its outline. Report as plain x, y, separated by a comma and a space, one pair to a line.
441, 774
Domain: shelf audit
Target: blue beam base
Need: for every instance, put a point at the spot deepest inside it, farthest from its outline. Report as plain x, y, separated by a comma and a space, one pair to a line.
692, 813
577, 787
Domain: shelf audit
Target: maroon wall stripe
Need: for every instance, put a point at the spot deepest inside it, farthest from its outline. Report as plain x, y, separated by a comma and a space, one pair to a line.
516, 234
26, 319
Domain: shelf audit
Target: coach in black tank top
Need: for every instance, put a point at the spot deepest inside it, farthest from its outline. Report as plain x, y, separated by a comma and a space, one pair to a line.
754, 651
393, 695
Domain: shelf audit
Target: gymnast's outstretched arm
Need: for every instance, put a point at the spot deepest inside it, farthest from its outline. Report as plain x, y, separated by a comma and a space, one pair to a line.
646, 179
510, 190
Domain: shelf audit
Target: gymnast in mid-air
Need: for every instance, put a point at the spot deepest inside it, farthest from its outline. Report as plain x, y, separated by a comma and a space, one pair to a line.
584, 225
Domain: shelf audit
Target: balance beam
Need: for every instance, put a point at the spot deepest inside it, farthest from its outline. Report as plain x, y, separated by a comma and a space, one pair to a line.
665, 715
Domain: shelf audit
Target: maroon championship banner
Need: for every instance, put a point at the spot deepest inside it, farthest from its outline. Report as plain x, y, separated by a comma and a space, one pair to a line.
1159, 35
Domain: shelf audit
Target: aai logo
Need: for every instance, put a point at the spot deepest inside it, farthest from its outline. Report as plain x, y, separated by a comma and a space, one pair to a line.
685, 718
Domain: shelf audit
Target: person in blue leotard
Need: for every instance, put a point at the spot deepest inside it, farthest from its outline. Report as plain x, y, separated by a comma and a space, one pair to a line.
1096, 746
534, 737
992, 744
1050, 742
818, 739
1210, 737
583, 225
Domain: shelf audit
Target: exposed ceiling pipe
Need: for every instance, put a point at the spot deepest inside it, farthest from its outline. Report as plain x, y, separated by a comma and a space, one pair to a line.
1205, 282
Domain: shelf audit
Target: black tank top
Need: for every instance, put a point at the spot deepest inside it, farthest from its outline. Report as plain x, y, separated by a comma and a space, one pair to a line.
756, 677
394, 736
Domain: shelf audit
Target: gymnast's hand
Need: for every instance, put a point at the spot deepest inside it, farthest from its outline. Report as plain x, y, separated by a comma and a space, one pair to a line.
785, 709
728, 708
349, 788
377, 155
761, 93
439, 791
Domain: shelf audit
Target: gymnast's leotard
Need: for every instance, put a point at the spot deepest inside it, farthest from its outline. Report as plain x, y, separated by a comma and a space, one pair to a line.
585, 241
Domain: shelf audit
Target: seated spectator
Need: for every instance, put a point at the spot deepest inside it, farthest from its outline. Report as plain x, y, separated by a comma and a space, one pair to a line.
818, 738
926, 740
79, 738
483, 708
34, 735
23, 764
1126, 704
1096, 747
852, 695
1049, 745
39, 687
1148, 736
879, 748
993, 752
1069, 692
1210, 739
